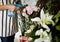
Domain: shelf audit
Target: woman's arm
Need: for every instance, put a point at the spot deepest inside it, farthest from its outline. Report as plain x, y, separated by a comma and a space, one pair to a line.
9, 7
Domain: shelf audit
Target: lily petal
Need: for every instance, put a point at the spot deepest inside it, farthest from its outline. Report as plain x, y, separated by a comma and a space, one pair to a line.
36, 19
39, 32
45, 26
38, 40
42, 14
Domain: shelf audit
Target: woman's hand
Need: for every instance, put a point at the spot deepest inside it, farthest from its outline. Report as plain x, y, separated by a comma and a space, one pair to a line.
12, 7
9, 7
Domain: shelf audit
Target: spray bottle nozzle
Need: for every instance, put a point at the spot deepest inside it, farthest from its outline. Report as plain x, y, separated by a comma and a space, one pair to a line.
18, 5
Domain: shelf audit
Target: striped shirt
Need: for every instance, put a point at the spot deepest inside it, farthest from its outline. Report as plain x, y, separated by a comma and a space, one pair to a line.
8, 25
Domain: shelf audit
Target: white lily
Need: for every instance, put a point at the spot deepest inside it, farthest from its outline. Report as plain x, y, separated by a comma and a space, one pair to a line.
36, 19
39, 32
39, 21
44, 18
43, 36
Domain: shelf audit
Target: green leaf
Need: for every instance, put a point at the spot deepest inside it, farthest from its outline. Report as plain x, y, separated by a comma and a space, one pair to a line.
57, 15
32, 27
57, 39
58, 27
48, 22
57, 19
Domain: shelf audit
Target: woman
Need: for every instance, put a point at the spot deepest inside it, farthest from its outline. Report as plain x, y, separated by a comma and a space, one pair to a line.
8, 25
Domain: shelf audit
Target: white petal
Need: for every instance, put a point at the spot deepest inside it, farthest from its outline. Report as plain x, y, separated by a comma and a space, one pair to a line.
45, 26
36, 19
47, 40
45, 33
17, 35
28, 31
38, 40
50, 36
42, 14
48, 17
52, 22
39, 32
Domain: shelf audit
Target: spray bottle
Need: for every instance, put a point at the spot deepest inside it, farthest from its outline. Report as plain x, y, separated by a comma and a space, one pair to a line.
11, 13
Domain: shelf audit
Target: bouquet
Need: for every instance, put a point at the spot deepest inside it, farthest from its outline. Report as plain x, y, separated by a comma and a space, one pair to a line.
36, 28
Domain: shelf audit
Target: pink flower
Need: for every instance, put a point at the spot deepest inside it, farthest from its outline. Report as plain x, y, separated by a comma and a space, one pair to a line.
36, 9
25, 15
30, 39
25, 39
32, 7
28, 31
29, 10
24, 10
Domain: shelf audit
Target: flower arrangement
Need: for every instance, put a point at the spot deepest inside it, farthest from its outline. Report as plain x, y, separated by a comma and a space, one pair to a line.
37, 28
43, 21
